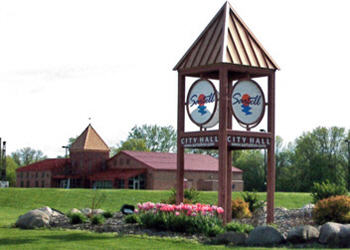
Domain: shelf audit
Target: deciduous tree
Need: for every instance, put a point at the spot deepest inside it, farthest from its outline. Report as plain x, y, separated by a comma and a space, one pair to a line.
26, 156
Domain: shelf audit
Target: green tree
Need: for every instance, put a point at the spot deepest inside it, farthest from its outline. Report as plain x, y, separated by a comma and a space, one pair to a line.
319, 156
285, 174
26, 156
252, 164
131, 144
158, 139
11, 167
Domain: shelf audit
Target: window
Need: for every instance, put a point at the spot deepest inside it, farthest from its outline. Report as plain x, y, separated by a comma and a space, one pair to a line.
28, 183
22, 183
103, 184
27, 175
120, 184
36, 184
115, 162
43, 183
36, 174
137, 182
127, 161
21, 175
43, 175
121, 162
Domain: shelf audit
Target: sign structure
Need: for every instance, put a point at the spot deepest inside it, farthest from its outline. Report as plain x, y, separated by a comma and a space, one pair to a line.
248, 103
226, 51
202, 103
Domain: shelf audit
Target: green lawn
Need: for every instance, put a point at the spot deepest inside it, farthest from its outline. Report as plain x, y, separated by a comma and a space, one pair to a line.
17, 201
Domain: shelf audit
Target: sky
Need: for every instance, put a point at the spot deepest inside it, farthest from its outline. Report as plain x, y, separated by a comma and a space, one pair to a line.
67, 63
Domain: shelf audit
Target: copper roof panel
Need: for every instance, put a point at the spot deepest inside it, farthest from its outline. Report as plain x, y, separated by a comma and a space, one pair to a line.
89, 140
226, 40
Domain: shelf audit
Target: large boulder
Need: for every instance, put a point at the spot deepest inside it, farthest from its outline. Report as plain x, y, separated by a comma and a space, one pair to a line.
329, 233
231, 238
335, 234
343, 239
265, 236
33, 219
303, 234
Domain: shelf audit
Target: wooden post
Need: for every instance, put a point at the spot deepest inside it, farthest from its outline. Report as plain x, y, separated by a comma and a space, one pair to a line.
223, 150
180, 150
271, 151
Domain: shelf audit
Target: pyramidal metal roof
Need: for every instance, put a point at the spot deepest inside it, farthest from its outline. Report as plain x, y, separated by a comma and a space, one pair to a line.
89, 140
226, 39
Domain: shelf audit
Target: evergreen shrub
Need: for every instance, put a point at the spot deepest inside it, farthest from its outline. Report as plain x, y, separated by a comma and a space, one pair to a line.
77, 218
326, 189
190, 196
253, 201
238, 227
97, 219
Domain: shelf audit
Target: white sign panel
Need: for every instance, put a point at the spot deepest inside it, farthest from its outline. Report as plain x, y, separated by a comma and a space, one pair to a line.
202, 103
248, 102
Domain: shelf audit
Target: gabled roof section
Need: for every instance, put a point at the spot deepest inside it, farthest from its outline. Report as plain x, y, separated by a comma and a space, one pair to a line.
48, 164
89, 140
226, 40
167, 161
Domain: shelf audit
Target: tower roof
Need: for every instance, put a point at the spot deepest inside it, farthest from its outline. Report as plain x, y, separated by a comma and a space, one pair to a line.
226, 39
89, 140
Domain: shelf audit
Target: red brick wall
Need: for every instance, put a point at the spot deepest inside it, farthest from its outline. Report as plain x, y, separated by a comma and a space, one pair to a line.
34, 179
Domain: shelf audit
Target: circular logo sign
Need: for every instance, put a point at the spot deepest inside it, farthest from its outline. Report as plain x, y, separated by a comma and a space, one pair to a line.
202, 102
248, 102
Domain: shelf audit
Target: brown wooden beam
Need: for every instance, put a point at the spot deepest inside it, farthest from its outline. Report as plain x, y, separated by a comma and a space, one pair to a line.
180, 150
271, 151
223, 151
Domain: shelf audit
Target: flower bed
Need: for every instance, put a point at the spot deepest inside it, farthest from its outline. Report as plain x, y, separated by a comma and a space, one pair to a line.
187, 218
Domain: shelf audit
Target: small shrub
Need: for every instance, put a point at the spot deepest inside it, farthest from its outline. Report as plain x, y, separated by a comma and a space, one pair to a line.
253, 201
324, 190
190, 196
97, 219
239, 228
77, 218
97, 200
108, 214
131, 218
240, 209
333, 209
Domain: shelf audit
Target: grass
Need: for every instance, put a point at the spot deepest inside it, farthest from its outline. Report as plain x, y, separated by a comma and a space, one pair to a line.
17, 201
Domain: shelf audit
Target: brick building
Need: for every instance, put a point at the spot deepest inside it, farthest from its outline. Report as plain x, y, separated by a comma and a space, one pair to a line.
89, 166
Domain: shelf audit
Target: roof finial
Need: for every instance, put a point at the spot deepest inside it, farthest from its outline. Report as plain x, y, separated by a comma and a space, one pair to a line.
89, 120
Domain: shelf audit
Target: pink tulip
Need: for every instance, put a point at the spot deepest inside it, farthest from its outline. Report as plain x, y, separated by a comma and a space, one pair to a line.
220, 210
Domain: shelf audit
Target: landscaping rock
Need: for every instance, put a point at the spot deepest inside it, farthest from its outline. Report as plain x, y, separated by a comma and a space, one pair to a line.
265, 236
343, 239
303, 234
86, 211
33, 219
329, 233
98, 211
74, 211
231, 238
46, 210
